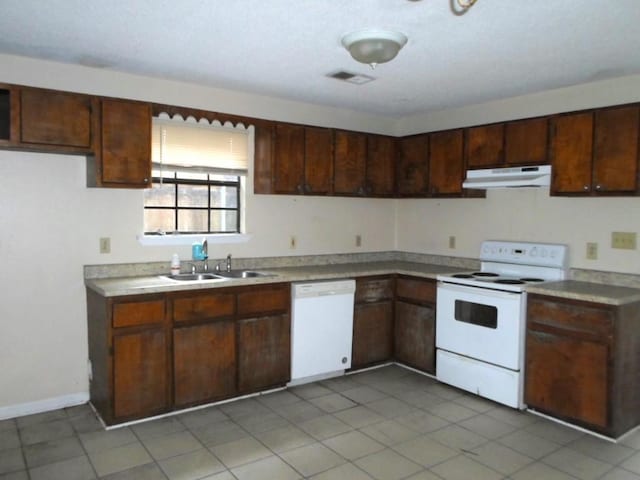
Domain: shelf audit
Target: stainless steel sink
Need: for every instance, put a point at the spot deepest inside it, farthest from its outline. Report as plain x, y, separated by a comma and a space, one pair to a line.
194, 277
244, 274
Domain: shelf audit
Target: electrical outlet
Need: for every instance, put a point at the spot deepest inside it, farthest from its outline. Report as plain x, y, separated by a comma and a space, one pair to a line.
452, 241
292, 242
105, 245
358, 240
592, 251
623, 240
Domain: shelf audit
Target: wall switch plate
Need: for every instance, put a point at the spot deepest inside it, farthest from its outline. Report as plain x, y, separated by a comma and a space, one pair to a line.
292, 242
105, 245
592, 251
623, 240
452, 241
358, 240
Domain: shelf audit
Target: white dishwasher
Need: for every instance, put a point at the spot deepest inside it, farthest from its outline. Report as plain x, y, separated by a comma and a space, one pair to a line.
321, 329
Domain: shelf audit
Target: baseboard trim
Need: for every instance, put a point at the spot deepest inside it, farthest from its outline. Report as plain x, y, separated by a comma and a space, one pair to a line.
45, 405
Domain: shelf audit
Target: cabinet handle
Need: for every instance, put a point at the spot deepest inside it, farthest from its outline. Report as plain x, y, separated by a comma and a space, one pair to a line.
300, 188
586, 188
598, 187
145, 180
307, 188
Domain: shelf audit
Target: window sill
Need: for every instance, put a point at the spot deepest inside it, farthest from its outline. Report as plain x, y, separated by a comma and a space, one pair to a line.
164, 240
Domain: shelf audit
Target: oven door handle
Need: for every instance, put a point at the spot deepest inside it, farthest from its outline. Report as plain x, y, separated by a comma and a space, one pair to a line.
487, 292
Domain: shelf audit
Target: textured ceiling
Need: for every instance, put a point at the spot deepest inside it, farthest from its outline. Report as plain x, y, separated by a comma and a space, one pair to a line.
285, 48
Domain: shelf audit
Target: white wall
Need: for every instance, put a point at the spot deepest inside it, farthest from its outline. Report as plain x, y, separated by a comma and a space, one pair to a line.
522, 214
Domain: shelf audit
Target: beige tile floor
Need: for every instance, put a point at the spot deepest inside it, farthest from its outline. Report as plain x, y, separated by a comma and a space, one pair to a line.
384, 424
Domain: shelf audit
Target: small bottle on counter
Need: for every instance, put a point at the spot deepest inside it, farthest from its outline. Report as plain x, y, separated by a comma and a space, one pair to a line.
175, 264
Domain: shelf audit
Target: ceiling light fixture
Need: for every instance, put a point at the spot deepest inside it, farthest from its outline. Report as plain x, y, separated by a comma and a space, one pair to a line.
374, 46
462, 6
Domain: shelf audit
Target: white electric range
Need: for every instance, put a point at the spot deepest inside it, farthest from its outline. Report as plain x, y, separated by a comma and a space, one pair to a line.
481, 318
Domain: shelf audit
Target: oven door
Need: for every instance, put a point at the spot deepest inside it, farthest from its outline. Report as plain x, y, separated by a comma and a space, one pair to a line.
481, 323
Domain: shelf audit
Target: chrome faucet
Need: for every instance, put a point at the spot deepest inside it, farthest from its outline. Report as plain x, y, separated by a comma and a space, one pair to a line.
229, 263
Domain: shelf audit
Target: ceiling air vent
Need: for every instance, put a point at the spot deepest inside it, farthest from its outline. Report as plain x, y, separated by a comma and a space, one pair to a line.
354, 78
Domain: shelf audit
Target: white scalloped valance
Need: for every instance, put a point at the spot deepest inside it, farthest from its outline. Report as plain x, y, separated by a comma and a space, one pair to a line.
198, 145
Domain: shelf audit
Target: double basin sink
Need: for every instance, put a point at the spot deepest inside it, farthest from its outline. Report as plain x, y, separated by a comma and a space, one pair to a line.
201, 277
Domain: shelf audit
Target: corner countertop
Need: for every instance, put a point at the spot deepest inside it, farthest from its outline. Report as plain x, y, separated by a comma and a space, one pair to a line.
588, 292
113, 287
570, 289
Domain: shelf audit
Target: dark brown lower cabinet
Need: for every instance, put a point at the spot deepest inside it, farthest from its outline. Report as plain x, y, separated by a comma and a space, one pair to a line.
415, 323
372, 334
582, 364
264, 356
372, 321
204, 362
415, 336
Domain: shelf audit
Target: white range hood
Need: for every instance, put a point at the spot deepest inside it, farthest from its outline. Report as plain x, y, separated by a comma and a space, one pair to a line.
508, 177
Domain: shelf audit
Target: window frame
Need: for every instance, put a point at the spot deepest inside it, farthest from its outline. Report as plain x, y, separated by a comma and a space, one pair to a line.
176, 208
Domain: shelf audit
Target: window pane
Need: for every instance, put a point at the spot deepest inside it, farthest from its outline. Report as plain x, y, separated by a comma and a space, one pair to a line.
160, 195
159, 220
193, 196
224, 221
192, 220
224, 197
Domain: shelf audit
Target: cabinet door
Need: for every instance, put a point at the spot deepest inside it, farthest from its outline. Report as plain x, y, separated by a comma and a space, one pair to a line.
484, 146
381, 155
55, 118
526, 142
289, 159
415, 341
318, 160
125, 156
571, 153
567, 377
412, 170
140, 374
615, 159
264, 357
349, 163
204, 362
446, 163
372, 334
263, 158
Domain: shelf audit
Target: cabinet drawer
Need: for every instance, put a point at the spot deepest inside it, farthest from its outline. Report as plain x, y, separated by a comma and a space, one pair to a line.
574, 316
414, 289
373, 289
129, 314
203, 307
264, 299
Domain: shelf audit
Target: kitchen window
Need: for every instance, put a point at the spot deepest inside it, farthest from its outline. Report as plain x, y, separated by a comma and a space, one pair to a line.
199, 177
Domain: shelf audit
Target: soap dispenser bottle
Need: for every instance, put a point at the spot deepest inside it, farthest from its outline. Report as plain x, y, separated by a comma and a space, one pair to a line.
175, 264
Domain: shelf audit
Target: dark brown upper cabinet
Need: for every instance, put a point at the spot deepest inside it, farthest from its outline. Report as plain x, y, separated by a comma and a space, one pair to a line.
525, 142
57, 121
318, 161
350, 159
7, 94
123, 157
571, 153
381, 155
303, 160
446, 163
412, 168
263, 157
484, 146
289, 159
615, 153
595, 152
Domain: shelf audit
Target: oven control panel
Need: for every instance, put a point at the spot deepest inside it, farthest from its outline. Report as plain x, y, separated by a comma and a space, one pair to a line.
525, 253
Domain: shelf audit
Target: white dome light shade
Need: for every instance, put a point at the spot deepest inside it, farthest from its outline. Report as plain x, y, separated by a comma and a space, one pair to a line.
374, 46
